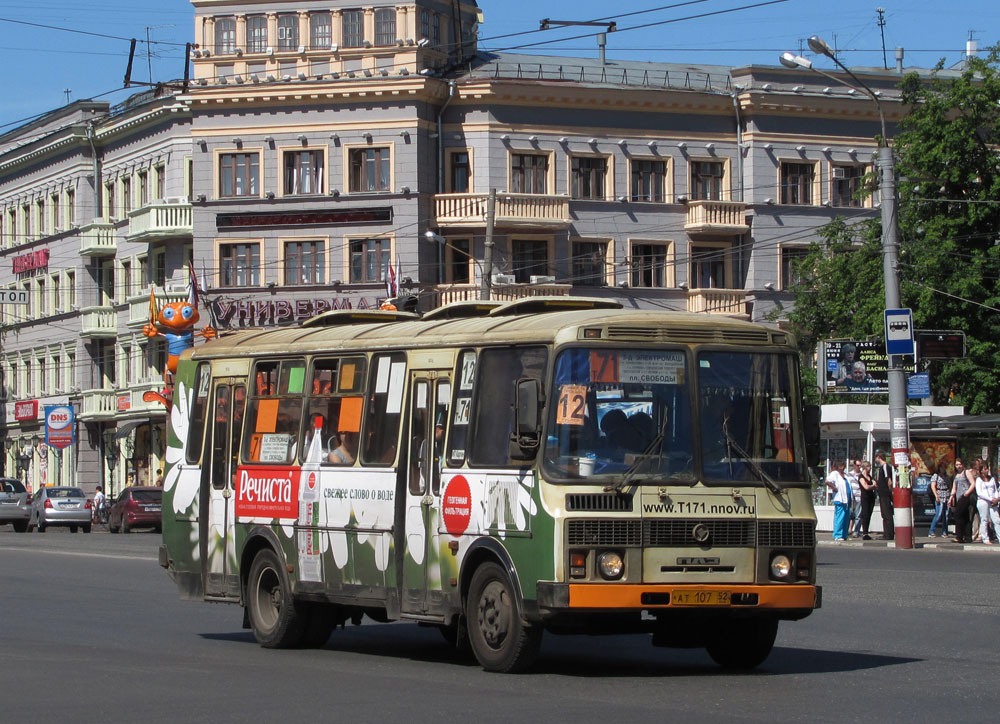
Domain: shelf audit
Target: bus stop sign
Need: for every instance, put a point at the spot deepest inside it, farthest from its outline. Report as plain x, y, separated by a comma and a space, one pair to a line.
899, 332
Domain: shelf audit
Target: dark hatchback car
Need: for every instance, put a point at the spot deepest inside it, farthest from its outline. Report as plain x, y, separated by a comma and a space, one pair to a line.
136, 507
14, 505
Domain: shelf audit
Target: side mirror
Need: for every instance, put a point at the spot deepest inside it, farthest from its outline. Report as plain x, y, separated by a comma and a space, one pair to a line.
810, 420
525, 437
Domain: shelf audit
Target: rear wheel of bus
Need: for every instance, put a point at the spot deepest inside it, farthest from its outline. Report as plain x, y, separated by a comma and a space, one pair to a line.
500, 639
743, 643
276, 621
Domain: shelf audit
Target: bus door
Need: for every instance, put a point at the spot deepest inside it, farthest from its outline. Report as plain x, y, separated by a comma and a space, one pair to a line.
218, 549
429, 401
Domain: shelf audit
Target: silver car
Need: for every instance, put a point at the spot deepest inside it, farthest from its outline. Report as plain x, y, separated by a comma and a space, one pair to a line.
60, 506
14, 505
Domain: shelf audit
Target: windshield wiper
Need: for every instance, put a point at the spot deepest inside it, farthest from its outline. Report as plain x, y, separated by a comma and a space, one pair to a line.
633, 469
732, 445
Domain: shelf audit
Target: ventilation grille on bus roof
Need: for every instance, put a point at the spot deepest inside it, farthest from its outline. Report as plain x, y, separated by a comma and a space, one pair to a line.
689, 334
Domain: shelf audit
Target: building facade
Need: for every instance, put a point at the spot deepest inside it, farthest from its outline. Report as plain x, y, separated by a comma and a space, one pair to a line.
329, 156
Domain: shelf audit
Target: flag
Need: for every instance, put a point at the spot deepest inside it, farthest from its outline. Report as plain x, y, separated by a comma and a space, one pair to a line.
391, 285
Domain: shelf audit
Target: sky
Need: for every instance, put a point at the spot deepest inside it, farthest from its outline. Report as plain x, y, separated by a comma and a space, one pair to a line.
44, 67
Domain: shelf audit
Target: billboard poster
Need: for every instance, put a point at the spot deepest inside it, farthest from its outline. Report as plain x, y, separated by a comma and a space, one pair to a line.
926, 455
60, 432
855, 367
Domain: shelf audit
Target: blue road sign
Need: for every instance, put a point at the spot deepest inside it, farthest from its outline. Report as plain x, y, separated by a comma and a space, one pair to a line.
899, 332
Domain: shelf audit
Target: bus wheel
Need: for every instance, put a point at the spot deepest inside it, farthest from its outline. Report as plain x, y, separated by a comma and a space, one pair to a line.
499, 638
276, 621
321, 620
743, 643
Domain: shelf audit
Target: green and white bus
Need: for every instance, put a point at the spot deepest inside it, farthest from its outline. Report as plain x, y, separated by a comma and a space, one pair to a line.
498, 470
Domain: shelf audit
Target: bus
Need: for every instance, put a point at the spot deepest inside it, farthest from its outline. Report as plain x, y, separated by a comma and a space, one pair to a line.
498, 470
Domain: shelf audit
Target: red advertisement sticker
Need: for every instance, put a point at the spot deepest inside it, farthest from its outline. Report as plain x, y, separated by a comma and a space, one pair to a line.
267, 492
456, 506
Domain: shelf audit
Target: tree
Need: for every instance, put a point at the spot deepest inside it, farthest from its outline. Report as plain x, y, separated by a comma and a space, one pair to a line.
949, 259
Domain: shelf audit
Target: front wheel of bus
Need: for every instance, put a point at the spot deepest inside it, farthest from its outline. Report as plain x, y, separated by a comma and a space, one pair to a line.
743, 643
500, 639
276, 621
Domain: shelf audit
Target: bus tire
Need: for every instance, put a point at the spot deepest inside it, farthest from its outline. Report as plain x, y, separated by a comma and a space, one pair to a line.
743, 643
277, 622
500, 639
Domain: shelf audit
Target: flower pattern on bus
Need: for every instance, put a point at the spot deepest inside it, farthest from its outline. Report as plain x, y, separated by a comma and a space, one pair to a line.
508, 504
183, 483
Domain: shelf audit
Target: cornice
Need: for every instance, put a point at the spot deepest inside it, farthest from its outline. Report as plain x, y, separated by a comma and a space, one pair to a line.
73, 135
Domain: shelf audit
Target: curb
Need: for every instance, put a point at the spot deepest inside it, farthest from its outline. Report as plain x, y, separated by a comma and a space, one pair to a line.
942, 546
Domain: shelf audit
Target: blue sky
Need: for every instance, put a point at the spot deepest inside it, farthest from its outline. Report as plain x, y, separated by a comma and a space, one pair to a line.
41, 63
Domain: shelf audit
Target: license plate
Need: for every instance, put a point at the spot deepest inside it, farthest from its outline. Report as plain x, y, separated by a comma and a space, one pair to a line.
151, 508
700, 598
72, 506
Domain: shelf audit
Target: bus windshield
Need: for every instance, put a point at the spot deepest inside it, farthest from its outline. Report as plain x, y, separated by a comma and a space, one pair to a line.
621, 411
746, 418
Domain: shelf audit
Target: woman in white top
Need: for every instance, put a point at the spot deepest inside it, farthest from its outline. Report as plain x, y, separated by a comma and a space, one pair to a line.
989, 498
837, 482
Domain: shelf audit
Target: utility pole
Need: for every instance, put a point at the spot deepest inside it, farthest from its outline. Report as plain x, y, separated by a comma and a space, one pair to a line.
487, 281
881, 27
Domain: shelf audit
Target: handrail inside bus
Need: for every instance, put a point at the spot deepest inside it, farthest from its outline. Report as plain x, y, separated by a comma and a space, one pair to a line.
338, 317
538, 305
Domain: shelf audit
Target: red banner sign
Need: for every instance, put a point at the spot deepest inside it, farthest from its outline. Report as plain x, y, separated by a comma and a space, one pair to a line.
31, 261
267, 492
26, 410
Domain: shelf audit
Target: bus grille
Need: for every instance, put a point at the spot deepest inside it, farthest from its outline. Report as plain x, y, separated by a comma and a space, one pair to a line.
682, 533
721, 533
778, 533
599, 501
688, 334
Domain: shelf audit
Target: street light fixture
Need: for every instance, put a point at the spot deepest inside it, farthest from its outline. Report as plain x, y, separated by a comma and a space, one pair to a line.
111, 457
898, 424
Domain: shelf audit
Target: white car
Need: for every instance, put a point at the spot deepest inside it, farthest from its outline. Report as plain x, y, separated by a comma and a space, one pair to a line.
60, 506
14, 506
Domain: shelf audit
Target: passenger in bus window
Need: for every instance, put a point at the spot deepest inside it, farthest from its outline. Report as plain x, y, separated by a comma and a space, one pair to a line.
347, 451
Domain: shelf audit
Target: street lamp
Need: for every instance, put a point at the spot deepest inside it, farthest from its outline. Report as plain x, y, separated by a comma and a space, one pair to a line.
24, 462
111, 457
438, 239
898, 425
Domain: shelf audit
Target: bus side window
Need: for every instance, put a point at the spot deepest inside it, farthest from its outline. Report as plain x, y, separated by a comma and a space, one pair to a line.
383, 409
274, 418
199, 411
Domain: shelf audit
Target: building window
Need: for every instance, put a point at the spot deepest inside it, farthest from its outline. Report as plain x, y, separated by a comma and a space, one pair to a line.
589, 263
461, 172
126, 280
71, 289
288, 31
587, 180
459, 261
257, 34
303, 172
126, 195
143, 188
320, 31
109, 199
57, 304
370, 169
529, 173
239, 174
240, 265
385, 26
796, 183
305, 262
708, 267
649, 180
70, 208
353, 28
529, 257
649, 265
791, 256
40, 217
54, 221
425, 24
159, 181
43, 300
436, 30
706, 180
847, 185
369, 258
225, 36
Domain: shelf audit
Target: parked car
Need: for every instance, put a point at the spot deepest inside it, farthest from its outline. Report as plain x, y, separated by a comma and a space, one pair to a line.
14, 505
923, 500
63, 506
136, 507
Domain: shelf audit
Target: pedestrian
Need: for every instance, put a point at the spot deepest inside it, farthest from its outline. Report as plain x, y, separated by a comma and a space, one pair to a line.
837, 482
853, 476
958, 500
941, 483
973, 507
98, 503
883, 486
159, 477
987, 501
867, 484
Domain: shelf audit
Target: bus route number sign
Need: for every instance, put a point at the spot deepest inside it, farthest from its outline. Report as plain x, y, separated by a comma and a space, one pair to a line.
13, 296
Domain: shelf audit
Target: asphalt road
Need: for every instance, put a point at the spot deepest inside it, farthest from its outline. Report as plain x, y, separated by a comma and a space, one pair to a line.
93, 631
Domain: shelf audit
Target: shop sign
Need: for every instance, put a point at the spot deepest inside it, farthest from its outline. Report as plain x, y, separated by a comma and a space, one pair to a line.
26, 410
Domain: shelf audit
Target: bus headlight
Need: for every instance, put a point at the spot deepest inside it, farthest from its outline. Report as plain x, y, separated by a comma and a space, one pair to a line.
611, 565
781, 566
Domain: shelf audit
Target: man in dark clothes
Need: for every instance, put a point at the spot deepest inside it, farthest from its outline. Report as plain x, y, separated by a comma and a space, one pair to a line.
883, 486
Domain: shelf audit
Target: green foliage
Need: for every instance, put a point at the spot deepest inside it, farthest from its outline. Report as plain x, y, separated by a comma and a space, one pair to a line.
949, 222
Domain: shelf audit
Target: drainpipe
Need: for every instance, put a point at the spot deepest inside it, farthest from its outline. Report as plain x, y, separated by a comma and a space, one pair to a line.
96, 171
739, 170
440, 184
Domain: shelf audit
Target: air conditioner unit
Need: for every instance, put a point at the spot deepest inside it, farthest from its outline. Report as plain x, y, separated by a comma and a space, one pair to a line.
503, 278
839, 172
538, 279
175, 199
176, 287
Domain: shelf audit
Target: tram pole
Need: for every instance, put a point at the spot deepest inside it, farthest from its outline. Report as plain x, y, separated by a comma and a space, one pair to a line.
486, 282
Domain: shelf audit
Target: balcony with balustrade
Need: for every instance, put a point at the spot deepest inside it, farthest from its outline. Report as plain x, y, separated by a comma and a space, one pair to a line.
730, 302
129, 399
160, 220
98, 322
716, 217
512, 210
97, 405
98, 238
138, 305
448, 293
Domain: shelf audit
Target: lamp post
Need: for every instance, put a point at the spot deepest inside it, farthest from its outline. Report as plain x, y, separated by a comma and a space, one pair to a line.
24, 462
111, 457
898, 425
440, 240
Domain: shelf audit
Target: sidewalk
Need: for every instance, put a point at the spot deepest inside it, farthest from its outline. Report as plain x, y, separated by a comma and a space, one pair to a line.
919, 541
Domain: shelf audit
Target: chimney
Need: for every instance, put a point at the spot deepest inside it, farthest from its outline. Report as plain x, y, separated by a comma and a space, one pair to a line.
899, 60
971, 48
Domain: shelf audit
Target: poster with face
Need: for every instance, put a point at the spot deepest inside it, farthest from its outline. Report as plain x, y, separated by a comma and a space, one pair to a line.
856, 367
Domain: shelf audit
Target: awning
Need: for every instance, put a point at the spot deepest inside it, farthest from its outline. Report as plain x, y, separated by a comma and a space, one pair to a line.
126, 427
970, 424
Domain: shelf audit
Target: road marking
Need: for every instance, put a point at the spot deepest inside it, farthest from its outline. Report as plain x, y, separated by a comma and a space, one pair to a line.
83, 555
